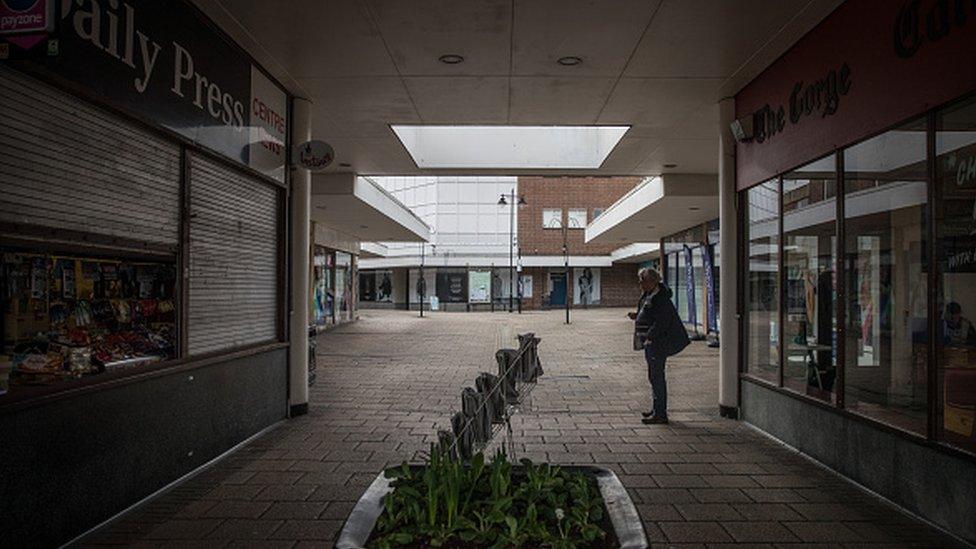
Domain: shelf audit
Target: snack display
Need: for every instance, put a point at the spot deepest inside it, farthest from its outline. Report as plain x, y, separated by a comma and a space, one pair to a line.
66, 317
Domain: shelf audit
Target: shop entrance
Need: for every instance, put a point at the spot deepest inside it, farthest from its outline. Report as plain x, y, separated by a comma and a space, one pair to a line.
557, 281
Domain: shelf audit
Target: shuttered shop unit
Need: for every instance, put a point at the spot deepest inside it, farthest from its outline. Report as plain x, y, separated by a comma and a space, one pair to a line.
233, 279
65, 164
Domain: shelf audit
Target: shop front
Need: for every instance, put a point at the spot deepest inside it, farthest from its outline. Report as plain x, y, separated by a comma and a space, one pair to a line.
141, 279
857, 194
691, 270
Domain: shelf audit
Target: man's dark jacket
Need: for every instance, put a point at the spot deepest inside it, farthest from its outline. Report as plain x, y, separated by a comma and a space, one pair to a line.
659, 319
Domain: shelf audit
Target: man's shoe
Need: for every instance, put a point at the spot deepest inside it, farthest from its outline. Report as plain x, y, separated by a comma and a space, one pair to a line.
654, 420
647, 414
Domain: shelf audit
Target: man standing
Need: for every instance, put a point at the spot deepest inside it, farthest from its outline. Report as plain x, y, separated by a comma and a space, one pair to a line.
659, 332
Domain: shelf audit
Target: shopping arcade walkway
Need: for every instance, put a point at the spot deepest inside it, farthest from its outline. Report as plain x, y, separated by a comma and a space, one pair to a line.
388, 382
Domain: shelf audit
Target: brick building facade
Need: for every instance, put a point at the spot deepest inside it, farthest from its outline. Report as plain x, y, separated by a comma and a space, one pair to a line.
554, 201
565, 193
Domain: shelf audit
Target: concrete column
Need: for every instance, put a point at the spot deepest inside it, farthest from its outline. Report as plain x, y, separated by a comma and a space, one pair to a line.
301, 191
728, 391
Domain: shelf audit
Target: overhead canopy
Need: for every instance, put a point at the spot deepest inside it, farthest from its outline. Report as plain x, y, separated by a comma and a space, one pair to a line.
657, 207
637, 252
358, 207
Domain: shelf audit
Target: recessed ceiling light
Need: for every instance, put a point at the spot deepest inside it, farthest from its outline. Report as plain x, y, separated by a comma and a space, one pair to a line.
670, 165
451, 59
569, 61
694, 208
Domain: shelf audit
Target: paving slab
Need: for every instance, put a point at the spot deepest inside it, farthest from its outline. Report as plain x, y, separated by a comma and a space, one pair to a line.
386, 383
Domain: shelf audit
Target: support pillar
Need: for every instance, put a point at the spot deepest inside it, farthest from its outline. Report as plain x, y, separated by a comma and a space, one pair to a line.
301, 190
728, 392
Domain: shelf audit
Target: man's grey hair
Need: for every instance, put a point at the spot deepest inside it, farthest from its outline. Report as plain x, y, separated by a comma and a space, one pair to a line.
648, 273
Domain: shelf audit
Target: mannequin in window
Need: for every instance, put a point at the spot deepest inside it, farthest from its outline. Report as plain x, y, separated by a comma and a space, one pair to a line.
957, 330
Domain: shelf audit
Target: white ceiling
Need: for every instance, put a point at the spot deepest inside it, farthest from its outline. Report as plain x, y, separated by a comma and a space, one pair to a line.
657, 65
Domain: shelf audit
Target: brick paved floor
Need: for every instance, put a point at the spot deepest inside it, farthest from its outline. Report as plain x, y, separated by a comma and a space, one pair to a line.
386, 383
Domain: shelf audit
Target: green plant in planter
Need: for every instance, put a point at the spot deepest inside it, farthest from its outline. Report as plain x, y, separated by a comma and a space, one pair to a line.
489, 504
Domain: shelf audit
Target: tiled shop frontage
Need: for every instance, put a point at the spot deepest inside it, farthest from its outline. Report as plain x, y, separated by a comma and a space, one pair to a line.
385, 385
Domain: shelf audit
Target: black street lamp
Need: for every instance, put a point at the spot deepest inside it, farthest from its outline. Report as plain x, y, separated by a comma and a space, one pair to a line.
511, 244
421, 281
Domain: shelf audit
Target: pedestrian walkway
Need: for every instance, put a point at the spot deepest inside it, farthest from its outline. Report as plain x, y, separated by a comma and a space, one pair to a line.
388, 382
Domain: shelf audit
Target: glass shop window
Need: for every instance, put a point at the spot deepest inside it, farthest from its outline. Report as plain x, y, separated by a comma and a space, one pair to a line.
956, 256
69, 317
762, 281
885, 268
810, 266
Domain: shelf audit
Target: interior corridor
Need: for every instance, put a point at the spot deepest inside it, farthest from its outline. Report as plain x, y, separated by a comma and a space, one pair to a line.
386, 384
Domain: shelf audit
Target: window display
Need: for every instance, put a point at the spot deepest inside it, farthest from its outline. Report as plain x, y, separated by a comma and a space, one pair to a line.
956, 255
69, 317
323, 295
887, 306
810, 262
762, 281
343, 285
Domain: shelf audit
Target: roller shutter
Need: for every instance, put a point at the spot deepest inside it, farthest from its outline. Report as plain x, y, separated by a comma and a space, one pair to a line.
65, 164
233, 282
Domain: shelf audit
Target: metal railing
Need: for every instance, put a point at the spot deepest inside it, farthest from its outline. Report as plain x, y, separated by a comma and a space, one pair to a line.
522, 390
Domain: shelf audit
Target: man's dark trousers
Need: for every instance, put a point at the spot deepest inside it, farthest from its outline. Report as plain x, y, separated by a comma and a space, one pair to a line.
659, 386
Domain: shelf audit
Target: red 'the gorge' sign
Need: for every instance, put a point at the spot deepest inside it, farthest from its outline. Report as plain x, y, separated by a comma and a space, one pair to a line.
871, 64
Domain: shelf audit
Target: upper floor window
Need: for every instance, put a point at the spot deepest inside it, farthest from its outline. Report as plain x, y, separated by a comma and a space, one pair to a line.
597, 212
552, 218
576, 219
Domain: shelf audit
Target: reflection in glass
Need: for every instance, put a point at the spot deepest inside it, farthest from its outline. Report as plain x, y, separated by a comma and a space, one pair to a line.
886, 304
809, 259
762, 282
956, 246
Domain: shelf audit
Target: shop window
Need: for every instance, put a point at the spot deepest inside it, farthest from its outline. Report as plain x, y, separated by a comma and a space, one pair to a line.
762, 281
552, 219
70, 317
576, 219
956, 248
810, 264
344, 286
698, 280
324, 293
885, 347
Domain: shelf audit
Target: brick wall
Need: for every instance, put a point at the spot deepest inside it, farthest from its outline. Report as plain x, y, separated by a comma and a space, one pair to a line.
619, 286
565, 193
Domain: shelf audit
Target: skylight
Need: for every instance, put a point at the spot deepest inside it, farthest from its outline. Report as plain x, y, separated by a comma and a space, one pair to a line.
509, 147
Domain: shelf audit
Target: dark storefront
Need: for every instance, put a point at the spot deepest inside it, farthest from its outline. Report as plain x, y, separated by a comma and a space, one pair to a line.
858, 206
141, 281
691, 271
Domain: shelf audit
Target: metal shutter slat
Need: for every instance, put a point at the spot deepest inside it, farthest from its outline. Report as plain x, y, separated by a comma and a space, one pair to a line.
70, 165
233, 285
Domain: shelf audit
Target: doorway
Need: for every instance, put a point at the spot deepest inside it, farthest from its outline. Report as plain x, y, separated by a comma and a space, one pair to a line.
557, 294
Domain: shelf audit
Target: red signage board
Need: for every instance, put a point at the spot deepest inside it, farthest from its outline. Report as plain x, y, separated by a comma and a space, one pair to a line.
870, 65
26, 16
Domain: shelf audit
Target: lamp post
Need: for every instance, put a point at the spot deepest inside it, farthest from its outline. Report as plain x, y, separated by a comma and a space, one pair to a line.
422, 293
511, 243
